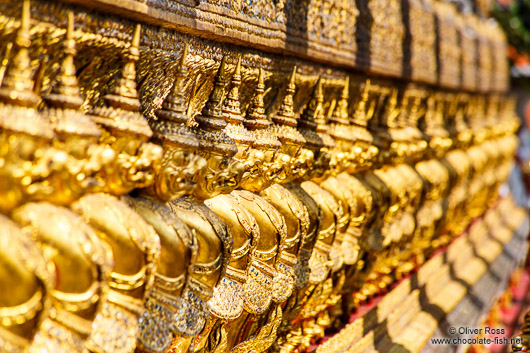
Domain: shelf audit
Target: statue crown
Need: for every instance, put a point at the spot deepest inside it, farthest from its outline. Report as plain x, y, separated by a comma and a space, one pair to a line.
285, 115
122, 110
170, 122
210, 121
65, 100
18, 101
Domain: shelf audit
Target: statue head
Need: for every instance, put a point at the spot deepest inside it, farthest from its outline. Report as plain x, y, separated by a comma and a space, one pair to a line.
463, 135
237, 131
181, 166
436, 135
223, 172
284, 128
412, 111
339, 129
317, 143
126, 131
266, 144
325, 155
364, 152
25, 135
77, 135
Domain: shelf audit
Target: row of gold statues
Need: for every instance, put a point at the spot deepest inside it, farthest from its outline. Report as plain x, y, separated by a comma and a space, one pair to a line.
227, 231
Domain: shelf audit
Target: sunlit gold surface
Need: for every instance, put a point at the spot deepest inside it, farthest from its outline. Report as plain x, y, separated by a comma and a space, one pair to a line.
164, 192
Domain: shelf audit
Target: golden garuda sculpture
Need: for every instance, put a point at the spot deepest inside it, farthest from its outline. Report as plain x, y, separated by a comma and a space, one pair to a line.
234, 176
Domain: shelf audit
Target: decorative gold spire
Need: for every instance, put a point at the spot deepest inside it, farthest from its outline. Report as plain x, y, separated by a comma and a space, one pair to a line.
18, 102
122, 110
285, 115
340, 114
66, 92
18, 85
393, 110
170, 126
231, 106
307, 124
124, 94
174, 106
210, 121
232, 112
256, 120
284, 127
340, 128
321, 119
211, 117
64, 101
359, 119
313, 110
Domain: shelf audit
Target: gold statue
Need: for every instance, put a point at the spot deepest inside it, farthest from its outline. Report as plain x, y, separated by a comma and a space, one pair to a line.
77, 135
291, 265
318, 144
222, 174
176, 302
283, 128
25, 135
309, 215
180, 165
133, 242
333, 223
248, 272
270, 274
171, 278
353, 140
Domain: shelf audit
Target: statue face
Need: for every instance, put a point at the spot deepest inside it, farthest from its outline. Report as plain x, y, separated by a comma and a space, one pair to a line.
83, 167
22, 146
77, 146
221, 175
321, 165
285, 163
340, 157
314, 163
264, 169
136, 165
178, 176
16, 151
302, 163
252, 159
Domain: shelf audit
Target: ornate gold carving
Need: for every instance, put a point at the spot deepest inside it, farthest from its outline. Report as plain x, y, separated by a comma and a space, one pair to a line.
278, 188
